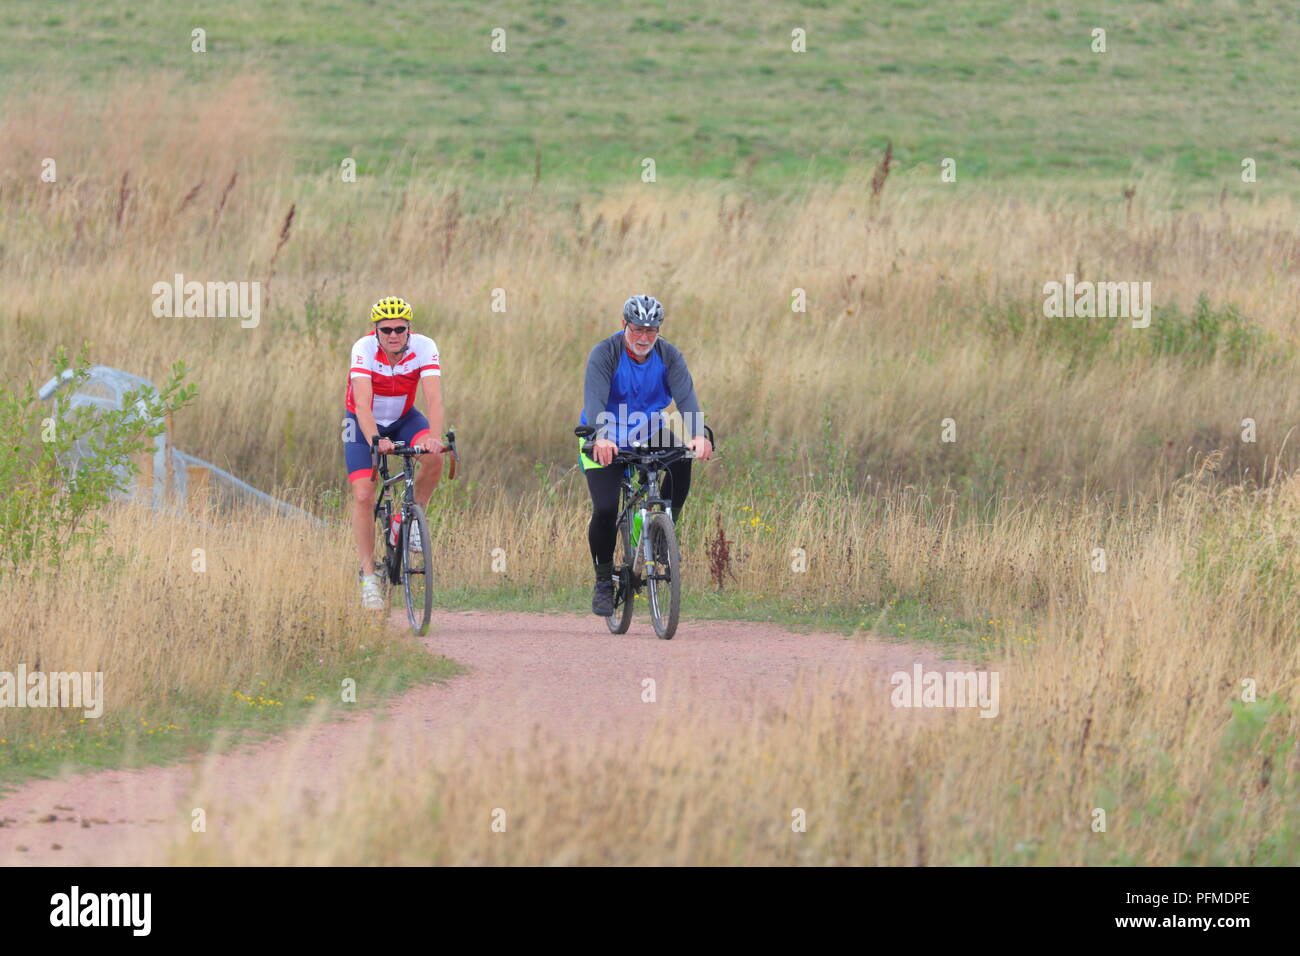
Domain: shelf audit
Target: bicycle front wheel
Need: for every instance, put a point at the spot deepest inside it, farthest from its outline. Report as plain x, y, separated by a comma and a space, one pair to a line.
663, 575
417, 581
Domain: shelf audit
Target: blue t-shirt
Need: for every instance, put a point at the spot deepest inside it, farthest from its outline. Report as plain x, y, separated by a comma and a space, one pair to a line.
638, 394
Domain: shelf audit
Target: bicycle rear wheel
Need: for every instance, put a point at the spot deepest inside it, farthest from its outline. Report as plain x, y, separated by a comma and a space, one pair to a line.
417, 581
663, 576
624, 590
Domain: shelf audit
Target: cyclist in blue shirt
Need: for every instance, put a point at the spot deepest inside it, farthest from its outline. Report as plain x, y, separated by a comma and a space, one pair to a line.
631, 378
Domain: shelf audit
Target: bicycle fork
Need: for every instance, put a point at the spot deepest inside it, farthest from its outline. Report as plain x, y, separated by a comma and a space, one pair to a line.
643, 554
640, 521
641, 547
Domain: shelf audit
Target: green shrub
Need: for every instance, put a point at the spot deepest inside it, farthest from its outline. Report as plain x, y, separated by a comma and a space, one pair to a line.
1077, 338
1203, 334
1197, 338
60, 464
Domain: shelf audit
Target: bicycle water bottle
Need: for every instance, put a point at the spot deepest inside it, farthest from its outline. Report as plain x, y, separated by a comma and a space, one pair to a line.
636, 528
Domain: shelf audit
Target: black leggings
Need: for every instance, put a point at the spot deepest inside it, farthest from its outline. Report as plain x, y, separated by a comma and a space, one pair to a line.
603, 483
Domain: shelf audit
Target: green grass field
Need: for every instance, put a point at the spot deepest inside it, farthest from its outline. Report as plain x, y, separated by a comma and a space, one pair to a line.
1012, 91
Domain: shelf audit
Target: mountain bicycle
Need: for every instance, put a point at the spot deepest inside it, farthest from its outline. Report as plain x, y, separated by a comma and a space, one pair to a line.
404, 563
646, 556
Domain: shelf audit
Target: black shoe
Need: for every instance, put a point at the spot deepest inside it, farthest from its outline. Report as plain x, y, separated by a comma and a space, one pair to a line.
602, 598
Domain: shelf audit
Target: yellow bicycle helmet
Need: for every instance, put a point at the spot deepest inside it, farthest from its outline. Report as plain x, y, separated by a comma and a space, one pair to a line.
390, 307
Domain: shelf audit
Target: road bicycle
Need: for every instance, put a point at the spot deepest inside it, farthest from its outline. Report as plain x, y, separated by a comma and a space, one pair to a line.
402, 563
646, 556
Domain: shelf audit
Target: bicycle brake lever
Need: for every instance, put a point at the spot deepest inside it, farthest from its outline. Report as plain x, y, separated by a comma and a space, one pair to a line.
455, 456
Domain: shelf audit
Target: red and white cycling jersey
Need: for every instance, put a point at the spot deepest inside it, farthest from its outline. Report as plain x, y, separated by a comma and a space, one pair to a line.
394, 383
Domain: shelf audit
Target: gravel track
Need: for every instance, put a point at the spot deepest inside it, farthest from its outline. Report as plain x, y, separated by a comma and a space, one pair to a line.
556, 676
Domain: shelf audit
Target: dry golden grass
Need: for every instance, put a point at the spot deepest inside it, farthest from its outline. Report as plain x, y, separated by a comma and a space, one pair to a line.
1117, 685
890, 346
1119, 696
1008, 559
176, 611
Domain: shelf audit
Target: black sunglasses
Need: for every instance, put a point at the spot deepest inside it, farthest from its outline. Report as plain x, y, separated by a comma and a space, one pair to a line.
394, 330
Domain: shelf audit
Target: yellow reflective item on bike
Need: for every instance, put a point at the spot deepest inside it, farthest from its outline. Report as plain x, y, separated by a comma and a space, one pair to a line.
586, 462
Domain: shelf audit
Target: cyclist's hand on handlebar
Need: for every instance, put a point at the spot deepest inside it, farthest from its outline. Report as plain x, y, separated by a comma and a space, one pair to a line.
702, 447
385, 446
430, 444
604, 451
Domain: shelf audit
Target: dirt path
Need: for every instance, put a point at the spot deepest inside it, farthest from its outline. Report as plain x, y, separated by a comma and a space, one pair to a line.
562, 677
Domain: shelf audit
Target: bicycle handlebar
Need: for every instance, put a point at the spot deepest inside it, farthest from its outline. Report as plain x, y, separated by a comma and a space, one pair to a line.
640, 454
401, 448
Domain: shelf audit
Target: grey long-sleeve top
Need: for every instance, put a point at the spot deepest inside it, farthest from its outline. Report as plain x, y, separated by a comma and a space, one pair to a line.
602, 366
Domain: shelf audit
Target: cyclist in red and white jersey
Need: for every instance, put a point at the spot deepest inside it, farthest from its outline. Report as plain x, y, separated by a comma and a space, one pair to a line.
389, 365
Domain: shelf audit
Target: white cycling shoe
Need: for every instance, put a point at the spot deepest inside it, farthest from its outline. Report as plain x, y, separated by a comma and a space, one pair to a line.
372, 593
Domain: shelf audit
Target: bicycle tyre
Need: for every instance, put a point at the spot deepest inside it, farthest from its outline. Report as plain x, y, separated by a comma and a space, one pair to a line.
387, 564
624, 590
666, 558
417, 580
